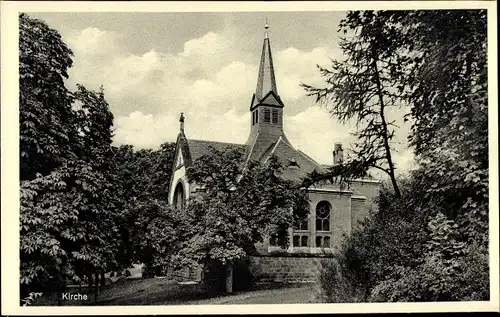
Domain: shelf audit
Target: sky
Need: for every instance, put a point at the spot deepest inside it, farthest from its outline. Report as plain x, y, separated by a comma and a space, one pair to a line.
153, 66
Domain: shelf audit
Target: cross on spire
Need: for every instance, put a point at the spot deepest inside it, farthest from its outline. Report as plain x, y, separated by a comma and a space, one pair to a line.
266, 27
181, 120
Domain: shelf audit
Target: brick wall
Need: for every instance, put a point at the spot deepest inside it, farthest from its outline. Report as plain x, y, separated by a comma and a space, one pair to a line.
360, 210
284, 269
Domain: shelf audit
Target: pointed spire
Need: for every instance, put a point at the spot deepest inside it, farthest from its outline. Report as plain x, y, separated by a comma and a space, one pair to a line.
266, 81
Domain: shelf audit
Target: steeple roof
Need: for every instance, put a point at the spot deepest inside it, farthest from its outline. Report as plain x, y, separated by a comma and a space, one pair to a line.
266, 81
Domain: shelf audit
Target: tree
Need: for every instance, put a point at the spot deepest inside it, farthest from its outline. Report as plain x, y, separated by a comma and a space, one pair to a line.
361, 88
48, 137
153, 235
148, 223
47, 127
240, 206
431, 242
67, 202
68, 217
76, 220
450, 107
101, 212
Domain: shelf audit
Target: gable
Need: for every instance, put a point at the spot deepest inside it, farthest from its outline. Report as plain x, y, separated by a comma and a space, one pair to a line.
272, 100
180, 160
296, 164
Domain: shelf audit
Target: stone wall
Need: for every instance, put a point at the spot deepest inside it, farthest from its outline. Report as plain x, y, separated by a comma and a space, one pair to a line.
284, 269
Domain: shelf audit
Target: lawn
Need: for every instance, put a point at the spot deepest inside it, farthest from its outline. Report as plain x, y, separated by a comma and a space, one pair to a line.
160, 291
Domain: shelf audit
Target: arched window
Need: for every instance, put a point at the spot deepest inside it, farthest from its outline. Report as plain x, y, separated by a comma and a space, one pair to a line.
179, 199
323, 210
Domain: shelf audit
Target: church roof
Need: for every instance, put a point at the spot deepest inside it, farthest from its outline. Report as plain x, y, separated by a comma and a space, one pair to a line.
296, 164
198, 148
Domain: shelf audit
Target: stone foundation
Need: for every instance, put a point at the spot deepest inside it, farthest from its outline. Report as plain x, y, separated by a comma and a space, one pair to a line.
284, 269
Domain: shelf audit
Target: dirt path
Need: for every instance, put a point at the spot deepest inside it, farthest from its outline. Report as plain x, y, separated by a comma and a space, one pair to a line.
296, 295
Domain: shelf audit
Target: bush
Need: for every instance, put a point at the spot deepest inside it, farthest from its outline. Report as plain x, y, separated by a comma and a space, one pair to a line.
407, 253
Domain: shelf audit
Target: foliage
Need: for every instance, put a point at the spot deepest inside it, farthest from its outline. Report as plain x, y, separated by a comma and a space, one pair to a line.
361, 89
431, 242
239, 206
47, 131
144, 173
154, 235
86, 207
69, 205
142, 177
68, 217
27, 301
407, 251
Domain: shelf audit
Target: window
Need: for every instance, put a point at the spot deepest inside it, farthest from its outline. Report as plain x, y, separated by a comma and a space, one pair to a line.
292, 163
255, 117
179, 200
322, 242
300, 241
323, 216
303, 241
267, 115
275, 116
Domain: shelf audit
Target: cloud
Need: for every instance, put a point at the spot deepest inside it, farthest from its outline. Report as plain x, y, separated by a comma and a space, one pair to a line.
314, 132
89, 42
143, 130
148, 131
212, 82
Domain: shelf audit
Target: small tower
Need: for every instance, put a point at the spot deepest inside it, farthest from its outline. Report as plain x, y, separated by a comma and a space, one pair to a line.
266, 106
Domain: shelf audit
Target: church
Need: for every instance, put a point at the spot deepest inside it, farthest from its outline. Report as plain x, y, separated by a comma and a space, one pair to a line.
334, 211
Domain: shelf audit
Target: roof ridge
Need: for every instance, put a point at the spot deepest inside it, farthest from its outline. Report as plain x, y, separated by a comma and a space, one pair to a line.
251, 149
274, 149
220, 142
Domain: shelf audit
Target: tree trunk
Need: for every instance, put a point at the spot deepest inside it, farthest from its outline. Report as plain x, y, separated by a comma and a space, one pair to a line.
385, 132
59, 292
91, 283
96, 294
103, 278
229, 277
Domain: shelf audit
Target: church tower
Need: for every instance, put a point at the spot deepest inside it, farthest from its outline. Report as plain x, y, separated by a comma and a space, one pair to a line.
266, 108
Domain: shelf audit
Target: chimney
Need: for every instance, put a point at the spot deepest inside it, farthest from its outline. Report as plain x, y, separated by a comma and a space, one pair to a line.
338, 154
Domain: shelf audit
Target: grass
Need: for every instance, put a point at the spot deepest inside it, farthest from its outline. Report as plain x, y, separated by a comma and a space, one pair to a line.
150, 291
158, 291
